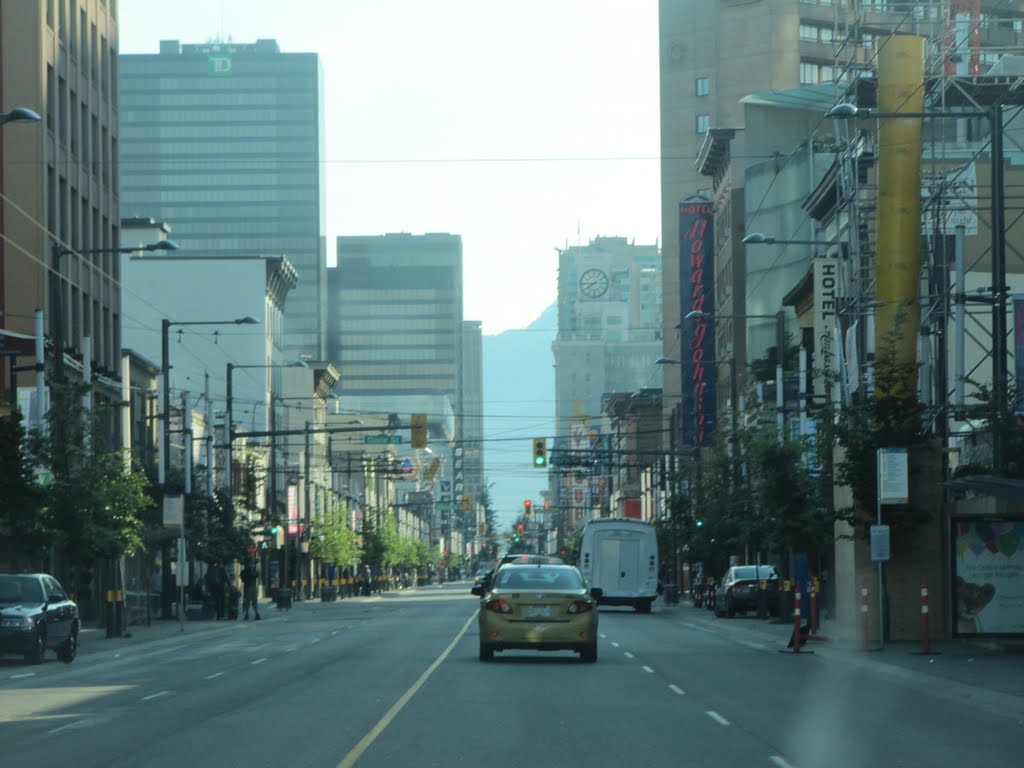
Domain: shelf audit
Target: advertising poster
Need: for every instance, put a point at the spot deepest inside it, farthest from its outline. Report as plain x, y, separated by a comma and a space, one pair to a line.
988, 577
697, 294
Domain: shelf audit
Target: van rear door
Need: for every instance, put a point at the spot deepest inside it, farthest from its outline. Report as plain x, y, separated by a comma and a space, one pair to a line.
629, 565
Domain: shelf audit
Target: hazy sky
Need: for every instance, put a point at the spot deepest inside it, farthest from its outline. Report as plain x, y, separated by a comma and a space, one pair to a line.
519, 126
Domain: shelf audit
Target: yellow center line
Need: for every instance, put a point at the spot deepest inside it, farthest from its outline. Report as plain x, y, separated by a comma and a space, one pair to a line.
365, 742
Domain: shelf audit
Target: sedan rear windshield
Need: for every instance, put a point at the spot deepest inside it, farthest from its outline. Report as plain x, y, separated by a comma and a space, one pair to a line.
20, 589
539, 578
752, 572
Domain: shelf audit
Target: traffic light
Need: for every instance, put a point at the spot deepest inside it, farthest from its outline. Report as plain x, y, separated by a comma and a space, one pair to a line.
540, 452
418, 436
273, 530
527, 507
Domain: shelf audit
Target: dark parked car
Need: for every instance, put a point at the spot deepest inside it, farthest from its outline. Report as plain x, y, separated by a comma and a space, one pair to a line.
36, 614
737, 591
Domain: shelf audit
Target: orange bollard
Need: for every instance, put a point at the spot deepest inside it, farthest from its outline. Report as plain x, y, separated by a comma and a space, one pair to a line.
925, 634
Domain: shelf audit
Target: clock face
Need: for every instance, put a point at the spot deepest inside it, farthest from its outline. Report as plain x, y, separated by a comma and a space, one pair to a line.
593, 283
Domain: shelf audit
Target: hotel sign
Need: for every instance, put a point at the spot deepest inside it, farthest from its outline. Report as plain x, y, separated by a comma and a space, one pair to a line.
697, 293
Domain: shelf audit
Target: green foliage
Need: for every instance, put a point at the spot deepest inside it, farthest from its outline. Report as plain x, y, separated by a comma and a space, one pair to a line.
892, 418
1003, 419
336, 542
21, 522
214, 529
92, 506
384, 546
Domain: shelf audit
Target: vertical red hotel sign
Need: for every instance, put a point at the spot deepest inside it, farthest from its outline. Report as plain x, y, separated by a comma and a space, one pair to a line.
697, 338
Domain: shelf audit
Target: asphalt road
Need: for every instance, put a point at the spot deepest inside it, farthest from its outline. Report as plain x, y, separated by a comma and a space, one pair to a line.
395, 681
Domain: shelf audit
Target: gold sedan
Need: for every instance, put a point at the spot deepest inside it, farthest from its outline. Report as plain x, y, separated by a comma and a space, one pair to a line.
538, 607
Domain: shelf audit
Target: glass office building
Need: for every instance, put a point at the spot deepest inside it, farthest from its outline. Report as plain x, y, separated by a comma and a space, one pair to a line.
223, 141
396, 314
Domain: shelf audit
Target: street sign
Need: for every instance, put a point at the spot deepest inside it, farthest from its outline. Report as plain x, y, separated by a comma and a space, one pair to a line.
408, 469
880, 543
382, 440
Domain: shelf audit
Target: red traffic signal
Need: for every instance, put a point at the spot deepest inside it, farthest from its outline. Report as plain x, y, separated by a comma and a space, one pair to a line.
527, 507
519, 527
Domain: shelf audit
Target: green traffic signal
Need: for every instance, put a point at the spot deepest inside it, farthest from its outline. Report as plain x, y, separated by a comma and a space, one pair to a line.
540, 452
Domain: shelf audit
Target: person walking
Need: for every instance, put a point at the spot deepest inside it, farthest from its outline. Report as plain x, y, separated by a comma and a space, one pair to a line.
216, 582
250, 590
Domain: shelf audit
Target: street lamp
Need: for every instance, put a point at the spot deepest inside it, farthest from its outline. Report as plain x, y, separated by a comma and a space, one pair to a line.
231, 368
165, 326
994, 115
19, 115
759, 238
59, 251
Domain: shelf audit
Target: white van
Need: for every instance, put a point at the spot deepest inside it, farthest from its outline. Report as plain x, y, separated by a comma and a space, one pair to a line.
620, 555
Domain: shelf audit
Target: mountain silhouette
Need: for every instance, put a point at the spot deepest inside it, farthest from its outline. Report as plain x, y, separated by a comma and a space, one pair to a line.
519, 405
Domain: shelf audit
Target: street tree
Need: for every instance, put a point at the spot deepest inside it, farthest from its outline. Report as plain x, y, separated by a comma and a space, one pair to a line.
92, 505
24, 529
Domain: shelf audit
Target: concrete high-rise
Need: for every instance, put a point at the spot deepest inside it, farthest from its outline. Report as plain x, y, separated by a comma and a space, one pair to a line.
609, 338
224, 141
59, 182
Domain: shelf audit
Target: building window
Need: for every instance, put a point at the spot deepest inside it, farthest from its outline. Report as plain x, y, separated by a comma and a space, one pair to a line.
703, 123
703, 86
808, 73
807, 32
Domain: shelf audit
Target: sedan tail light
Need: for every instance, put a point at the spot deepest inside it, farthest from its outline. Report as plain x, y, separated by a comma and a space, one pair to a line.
580, 606
498, 606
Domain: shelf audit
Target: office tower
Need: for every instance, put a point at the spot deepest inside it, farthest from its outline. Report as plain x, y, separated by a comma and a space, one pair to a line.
224, 142
59, 183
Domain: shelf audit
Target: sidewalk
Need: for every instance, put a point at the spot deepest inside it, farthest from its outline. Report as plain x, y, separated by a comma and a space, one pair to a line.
987, 666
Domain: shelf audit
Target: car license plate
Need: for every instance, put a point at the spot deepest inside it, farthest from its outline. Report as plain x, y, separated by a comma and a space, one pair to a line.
538, 612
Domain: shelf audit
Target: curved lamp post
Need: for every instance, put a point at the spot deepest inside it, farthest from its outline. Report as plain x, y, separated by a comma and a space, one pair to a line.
59, 251
19, 115
165, 326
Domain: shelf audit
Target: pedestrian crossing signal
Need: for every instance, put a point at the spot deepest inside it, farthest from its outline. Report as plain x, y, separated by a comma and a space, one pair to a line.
540, 452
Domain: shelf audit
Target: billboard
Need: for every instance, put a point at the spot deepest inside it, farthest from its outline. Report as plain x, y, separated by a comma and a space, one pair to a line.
988, 577
697, 338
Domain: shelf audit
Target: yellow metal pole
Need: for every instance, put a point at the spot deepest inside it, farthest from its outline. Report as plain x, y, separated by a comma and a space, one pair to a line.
898, 256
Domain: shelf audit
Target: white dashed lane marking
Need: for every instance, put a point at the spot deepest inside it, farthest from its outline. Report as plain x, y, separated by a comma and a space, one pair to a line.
648, 670
780, 762
215, 674
259, 661
676, 689
717, 717
629, 655
155, 695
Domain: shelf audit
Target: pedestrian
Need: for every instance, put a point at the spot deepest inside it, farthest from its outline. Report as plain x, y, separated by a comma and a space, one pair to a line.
216, 582
250, 590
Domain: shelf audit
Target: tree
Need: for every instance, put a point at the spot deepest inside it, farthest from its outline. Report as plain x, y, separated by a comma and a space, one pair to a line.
214, 529
336, 543
23, 526
891, 418
92, 505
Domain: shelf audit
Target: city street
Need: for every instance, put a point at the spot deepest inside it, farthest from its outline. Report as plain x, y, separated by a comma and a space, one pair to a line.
395, 681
